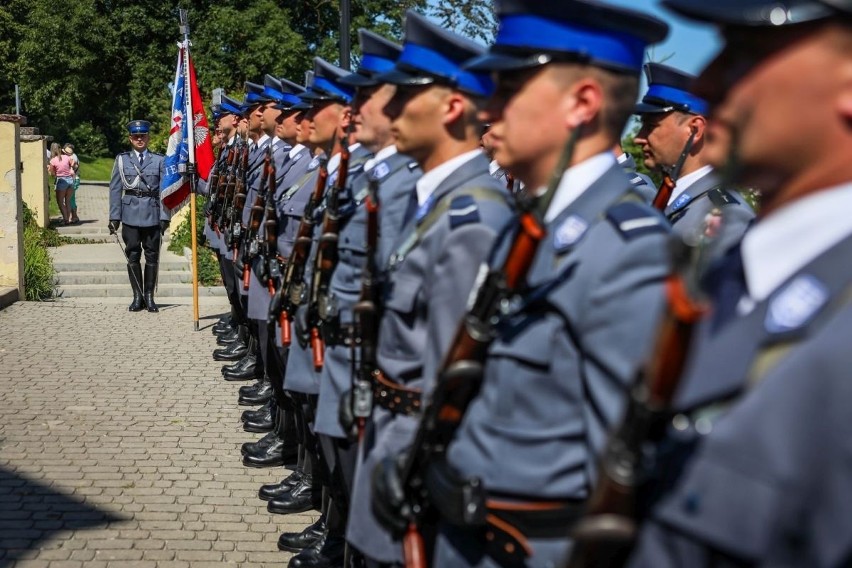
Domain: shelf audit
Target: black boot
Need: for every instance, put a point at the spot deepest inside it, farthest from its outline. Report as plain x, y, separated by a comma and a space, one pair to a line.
261, 395
273, 490
326, 552
294, 542
243, 370
236, 350
252, 389
260, 420
228, 338
150, 284
301, 498
256, 448
134, 271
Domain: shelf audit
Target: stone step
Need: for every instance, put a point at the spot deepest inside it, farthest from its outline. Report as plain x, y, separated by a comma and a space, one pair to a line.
101, 277
166, 265
123, 291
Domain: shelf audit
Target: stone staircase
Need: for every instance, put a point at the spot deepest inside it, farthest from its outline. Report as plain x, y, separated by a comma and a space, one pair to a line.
93, 266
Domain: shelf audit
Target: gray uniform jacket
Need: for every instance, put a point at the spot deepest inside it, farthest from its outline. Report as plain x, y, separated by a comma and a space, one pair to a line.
258, 294
643, 185
131, 210
213, 239
426, 297
689, 213
397, 176
557, 375
765, 418
254, 175
301, 375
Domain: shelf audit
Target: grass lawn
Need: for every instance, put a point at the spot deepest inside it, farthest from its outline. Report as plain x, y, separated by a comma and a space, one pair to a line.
95, 169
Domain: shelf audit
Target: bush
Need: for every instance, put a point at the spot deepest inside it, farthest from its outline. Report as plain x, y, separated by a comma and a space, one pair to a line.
88, 140
39, 274
208, 266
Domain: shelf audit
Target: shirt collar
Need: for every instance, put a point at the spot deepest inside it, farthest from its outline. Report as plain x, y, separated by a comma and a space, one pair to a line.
785, 241
430, 181
493, 167
380, 156
684, 182
296, 149
334, 162
261, 141
576, 180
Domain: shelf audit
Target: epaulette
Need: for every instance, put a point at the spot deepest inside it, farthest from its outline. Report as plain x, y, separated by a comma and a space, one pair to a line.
634, 220
720, 198
637, 180
463, 210
412, 166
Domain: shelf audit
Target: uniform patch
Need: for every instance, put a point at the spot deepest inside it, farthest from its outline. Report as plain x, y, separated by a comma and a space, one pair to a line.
569, 232
463, 210
633, 220
314, 164
379, 171
297, 157
681, 201
796, 304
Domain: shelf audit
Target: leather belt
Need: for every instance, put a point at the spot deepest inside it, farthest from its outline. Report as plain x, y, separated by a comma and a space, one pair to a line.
394, 397
140, 193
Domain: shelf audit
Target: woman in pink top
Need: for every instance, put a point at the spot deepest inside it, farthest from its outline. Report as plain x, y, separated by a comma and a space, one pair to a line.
62, 166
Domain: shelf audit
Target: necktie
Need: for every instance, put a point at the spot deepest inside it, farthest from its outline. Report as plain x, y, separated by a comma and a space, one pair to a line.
728, 286
141, 159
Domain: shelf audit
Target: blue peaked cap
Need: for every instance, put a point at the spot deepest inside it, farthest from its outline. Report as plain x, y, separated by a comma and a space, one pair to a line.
533, 33
231, 106
668, 90
290, 92
255, 95
326, 85
378, 56
138, 127
431, 54
759, 13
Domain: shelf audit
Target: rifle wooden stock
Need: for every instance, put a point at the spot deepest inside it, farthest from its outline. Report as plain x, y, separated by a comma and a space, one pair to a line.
317, 349
605, 534
661, 200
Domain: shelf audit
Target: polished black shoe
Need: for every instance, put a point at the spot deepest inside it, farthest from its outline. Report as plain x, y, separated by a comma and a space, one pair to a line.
251, 389
228, 338
298, 500
261, 395
244, 370
277, 453
273, 490
222, 327
260, 420
296, 541
326, 552
233, 352
255, 448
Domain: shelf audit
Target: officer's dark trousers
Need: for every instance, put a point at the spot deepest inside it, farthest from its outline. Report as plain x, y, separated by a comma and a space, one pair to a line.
137, 239
275, 361
340, 457
229, 280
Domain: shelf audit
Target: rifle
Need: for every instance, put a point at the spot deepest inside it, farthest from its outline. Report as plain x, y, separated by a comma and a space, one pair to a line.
240, 194
661, 200
460, 377
366, 313
220, 212
605, 534
293, 285
323, 305
213, 188
251, 246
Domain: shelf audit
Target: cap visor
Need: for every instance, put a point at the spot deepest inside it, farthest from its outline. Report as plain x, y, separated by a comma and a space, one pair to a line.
645, 108
397, 77
358, 80
491, 62
747, 12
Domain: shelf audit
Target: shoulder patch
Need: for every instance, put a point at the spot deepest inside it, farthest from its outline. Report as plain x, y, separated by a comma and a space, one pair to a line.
569, 233
463, 210
633, 220
314, 164
381, 170
796, 304
720, 198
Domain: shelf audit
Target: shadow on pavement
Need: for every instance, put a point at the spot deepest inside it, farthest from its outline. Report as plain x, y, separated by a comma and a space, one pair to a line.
31, 513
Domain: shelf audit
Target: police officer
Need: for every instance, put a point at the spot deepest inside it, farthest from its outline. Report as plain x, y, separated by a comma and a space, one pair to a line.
134, 200
761, 416
643, 184
566, 350
673, 138
456, 210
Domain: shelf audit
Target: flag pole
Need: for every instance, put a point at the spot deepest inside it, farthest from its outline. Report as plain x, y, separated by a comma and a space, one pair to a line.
189, 121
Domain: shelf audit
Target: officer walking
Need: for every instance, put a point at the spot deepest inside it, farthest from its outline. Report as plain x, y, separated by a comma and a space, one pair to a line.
134, 200
761, 417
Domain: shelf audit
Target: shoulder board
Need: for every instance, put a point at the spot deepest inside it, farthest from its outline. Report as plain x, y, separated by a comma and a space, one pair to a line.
636, 180
463, 210
720, 198
634, 220
412, 166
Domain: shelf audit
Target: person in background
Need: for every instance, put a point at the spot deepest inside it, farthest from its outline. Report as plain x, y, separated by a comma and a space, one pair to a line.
68, 150
61, 167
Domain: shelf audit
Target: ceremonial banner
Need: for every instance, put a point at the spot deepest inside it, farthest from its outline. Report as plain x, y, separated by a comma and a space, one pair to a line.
175, 184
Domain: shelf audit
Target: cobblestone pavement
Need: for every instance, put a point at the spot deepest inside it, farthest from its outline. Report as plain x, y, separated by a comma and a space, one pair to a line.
119, 444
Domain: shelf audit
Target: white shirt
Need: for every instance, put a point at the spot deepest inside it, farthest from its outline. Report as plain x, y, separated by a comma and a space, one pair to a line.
380, 156
295, 150
334, 162
430, 181
782, 243
260, 141
141, 156
493, 167
575, 181
684, 182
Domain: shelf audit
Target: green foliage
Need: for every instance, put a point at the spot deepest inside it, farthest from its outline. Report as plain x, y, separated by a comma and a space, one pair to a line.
95, 169
88, 67
633, 149
39, 274
208, 266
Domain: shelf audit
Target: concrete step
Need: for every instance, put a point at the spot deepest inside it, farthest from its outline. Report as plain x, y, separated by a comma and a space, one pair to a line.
124, 291
166, 265
101, 277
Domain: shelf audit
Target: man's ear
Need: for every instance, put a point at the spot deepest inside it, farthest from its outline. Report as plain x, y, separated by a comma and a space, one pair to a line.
454, 107
584, 102
697, 124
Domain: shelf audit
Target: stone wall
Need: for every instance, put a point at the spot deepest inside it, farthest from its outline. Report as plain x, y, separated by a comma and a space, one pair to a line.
34, 179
